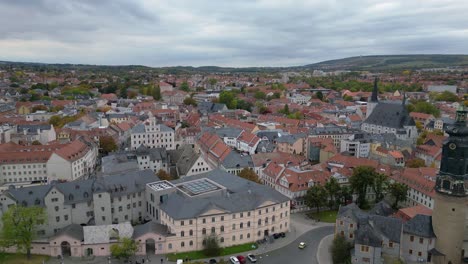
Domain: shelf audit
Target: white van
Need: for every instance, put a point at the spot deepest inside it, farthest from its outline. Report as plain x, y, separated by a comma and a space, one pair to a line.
179, 261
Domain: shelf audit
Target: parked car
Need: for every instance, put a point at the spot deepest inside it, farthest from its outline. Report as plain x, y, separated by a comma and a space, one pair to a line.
252, 258
302, 245
213, 261
241, 259
234, 260
282, 234
276, 235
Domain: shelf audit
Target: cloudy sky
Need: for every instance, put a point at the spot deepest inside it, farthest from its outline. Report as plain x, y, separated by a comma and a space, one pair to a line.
227, 32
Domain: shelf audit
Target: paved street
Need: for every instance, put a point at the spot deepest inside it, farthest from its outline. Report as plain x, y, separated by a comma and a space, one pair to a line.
291, 254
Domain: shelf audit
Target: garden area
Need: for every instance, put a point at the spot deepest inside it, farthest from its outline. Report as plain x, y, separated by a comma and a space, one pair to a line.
193, 255
6, 258
323, 216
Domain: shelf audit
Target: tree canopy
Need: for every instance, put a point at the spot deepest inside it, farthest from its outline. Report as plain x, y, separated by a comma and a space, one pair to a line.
363, 177
107, 144
20, 226
398, 191
250, 175
341, 250
316, 196
125, 249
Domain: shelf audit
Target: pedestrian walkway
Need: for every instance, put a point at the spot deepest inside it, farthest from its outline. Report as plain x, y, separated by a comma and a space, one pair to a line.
300, 225
323, 251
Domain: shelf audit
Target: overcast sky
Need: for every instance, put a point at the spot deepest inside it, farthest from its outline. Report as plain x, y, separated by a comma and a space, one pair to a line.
227, 32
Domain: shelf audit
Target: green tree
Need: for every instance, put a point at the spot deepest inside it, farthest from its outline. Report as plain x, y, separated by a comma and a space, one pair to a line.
333, 190
211, 246
190, 101
316, 196
319, 95
347, 98
363, 177
260, 95
125, 249
229, 99
341, 250
424, 107
36, 142
346, 194
379, 186
398, 191
157, 93
184, 87
123, 91
415, 163
107, 144
285, 110
250, 175
212, 81
20, 226
447, 96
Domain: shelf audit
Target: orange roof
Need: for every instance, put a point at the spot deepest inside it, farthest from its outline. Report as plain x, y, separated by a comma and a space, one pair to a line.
396, 154
420, 179
415, 210
73, 150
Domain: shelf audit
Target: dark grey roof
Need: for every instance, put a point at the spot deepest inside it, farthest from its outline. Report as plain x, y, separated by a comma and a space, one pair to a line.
140, 128
33, 128
265, 146
387, 226
381, 208
332, 129
82, 190
236, 160
240, 195
354, 212
290, 139
119, 163
271, 135
210, 107
391, 115
225, 131
74, 230
153, 153
366, 235
150, 227
183, 159
420, 225
30, 196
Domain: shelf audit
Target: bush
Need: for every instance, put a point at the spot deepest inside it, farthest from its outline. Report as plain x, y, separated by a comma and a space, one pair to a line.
341, 250
211, 247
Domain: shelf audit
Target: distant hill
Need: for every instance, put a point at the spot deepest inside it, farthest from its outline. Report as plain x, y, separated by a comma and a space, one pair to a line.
391, 62
361, 63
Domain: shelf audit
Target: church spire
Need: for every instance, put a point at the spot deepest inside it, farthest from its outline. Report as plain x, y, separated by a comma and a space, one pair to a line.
375, 92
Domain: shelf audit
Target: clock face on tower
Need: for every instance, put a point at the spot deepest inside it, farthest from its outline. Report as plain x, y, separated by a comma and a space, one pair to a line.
452, 146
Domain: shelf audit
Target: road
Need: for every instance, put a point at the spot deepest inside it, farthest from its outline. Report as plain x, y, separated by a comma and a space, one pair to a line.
291, 254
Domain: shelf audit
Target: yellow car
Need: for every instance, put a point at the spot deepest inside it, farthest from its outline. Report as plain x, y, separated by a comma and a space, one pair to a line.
302, 245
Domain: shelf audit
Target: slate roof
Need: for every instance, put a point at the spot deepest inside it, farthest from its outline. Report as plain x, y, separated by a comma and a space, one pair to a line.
381, 208
150, 227
388, 226
237, 160
74, 230
33, 128
153, 153
82, 190
227, 132
366, 235
391, 115
354, 212
420, 225
240, 195
140, 128
183, 158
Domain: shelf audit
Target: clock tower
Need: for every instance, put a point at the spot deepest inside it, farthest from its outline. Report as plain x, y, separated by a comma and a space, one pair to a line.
449, 214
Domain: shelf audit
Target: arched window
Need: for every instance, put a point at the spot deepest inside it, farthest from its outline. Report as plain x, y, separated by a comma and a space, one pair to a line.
204, 231
213, 230
221, 239
248, 224
233, 238
182, 233
204, 242
259, 222
222, 228
248, 235
191, 243
70, 197
169, 246
241, 225
191, 232
85, 194
182, 244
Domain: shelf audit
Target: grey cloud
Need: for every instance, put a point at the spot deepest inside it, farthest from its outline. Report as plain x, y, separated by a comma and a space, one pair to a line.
226, 33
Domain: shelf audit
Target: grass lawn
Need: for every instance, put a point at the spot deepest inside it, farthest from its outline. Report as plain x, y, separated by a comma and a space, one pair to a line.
199, 254
324, 216
6, 258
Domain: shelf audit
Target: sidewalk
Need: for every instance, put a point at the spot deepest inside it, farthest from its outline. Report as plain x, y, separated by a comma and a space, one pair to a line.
300, 224
323, 250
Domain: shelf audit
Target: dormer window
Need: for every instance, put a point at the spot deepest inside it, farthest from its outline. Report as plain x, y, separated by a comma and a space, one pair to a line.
70, 197
85, 195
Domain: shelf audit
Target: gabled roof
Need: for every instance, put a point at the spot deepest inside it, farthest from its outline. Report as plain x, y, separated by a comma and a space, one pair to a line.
74, 230
391, 115
420, 225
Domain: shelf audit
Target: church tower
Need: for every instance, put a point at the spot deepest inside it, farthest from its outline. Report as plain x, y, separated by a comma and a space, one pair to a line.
374, 99
448, 217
